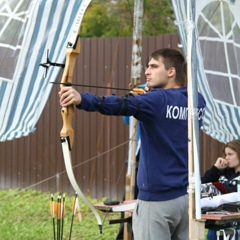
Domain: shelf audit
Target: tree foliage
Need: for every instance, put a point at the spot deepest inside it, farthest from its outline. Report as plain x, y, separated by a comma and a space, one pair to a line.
109, 18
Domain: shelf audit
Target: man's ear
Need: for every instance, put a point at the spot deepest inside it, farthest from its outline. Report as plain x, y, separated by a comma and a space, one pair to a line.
171, 71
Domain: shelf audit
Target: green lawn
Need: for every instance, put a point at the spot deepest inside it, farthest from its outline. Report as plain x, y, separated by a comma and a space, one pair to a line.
25, 215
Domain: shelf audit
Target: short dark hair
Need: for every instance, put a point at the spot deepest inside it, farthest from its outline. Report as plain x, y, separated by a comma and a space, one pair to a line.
173, 58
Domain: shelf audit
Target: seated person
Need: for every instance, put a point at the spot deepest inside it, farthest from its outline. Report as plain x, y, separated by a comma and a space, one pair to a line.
226, 169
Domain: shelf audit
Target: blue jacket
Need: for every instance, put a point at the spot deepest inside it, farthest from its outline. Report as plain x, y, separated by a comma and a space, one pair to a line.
163, 121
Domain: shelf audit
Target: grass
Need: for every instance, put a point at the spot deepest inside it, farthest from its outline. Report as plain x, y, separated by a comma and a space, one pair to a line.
25, 215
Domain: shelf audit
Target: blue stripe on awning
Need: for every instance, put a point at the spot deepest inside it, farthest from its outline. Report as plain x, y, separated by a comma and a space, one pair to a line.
48, 26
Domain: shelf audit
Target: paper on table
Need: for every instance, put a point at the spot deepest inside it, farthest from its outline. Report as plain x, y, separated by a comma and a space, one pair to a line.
219, 200
124, 207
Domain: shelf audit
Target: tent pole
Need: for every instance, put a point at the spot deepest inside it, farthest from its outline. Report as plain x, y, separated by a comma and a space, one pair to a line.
196, 227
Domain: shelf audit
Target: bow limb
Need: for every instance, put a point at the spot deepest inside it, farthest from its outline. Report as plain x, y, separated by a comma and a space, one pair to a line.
67, 132
69, 169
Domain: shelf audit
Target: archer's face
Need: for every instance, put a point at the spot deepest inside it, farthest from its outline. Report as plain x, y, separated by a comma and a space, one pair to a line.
156, 74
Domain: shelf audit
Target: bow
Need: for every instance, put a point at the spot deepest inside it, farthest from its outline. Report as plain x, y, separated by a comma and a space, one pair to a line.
67, 132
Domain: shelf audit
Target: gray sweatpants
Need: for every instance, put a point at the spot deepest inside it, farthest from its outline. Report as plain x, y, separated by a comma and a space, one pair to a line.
162, 220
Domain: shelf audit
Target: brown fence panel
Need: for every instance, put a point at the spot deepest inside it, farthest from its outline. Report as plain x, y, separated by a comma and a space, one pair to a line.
101, 142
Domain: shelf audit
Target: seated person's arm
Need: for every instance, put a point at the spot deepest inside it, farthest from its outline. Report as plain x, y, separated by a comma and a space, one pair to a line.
213, 174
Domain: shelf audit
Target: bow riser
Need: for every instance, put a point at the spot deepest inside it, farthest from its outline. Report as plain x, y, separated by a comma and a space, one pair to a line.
67, 113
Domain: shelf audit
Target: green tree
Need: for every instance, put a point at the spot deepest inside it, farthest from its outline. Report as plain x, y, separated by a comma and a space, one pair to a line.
158, 17
109, 18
